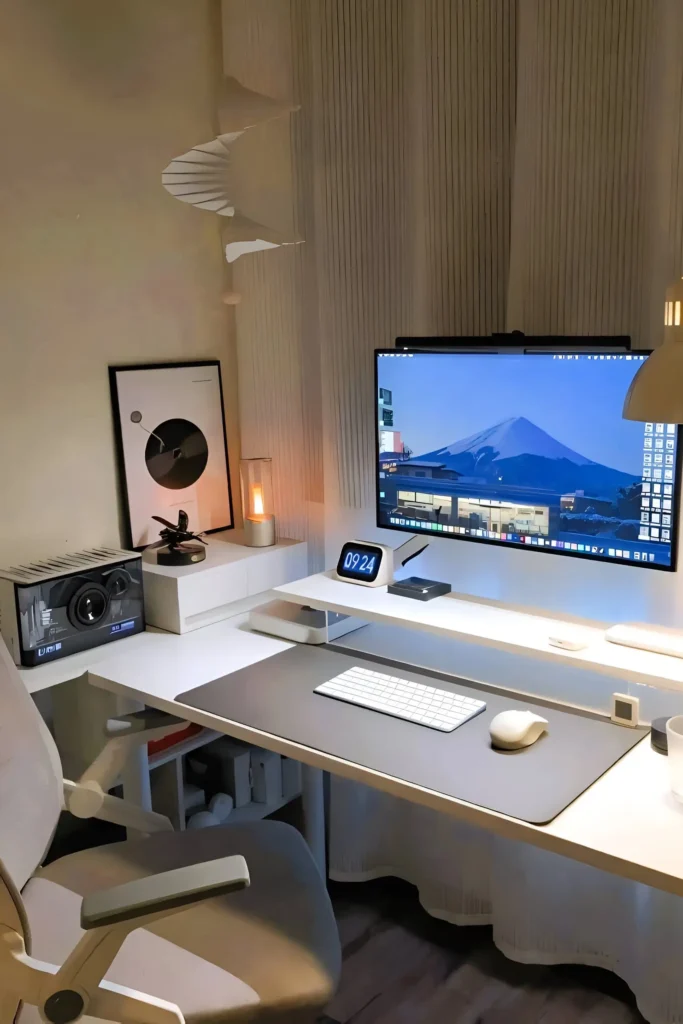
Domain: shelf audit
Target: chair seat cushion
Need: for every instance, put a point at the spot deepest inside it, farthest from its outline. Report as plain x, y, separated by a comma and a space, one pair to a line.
278, 937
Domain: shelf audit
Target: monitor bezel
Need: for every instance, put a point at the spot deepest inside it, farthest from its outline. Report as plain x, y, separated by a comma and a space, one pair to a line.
530, 351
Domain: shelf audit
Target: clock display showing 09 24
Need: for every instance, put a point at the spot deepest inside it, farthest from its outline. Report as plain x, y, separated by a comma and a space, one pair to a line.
360, 562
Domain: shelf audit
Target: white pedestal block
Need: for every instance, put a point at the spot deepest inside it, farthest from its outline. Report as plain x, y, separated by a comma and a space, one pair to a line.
227, 582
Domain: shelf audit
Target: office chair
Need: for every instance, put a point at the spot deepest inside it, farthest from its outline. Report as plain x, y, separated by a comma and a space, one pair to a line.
231, 923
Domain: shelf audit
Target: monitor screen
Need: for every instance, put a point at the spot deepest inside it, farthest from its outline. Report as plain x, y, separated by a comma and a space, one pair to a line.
527, 450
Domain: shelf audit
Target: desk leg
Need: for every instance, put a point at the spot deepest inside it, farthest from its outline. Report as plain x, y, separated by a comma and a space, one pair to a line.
313, 805
135, 774
135, 779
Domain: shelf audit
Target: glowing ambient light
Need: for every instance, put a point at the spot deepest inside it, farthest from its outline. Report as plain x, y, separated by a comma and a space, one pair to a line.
256, 478
257, 500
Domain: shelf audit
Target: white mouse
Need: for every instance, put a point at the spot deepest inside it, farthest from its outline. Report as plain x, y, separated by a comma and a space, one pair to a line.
511, 730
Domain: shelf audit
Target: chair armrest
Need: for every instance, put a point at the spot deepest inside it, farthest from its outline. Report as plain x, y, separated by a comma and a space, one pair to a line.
86, 797
164, 892
78, 988
87, 800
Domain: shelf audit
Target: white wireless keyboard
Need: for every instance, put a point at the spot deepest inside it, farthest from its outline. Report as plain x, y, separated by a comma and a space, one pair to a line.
415, 702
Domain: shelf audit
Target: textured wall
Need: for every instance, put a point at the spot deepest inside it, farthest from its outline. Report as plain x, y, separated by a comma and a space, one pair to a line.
413, 205
461, 110
579, 184
664, 161
98, 264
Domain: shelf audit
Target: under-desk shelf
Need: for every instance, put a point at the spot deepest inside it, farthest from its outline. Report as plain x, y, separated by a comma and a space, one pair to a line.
487, 623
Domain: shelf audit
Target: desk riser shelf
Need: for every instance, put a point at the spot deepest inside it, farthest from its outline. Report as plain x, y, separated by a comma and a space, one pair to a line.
490, 624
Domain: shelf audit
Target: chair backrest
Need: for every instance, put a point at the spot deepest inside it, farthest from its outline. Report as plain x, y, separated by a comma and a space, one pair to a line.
31, 794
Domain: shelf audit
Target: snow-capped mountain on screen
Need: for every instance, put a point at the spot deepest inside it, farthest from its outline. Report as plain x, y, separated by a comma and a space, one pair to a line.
510, 438
517, 452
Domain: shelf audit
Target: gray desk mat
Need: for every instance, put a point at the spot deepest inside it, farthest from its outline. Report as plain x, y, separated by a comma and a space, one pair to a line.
533, 784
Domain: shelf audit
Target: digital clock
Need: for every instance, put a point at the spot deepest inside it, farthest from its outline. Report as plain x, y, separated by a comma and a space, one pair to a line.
371, 565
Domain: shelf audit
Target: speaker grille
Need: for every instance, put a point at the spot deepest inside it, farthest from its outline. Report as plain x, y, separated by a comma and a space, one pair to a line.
64, 564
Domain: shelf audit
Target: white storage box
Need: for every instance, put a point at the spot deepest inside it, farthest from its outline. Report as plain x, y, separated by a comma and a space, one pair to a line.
227, 582
266, 776
223, 766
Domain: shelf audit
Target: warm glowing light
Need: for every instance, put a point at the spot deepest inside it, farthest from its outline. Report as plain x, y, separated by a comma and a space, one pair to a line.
677, 314
257, 499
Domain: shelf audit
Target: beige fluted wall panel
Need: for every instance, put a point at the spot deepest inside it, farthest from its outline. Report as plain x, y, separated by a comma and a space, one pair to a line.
460, 105
413, 130
664, 163
362, 159
578, 258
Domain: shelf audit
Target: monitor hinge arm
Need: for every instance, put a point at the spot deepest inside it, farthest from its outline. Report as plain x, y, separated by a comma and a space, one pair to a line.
411, 549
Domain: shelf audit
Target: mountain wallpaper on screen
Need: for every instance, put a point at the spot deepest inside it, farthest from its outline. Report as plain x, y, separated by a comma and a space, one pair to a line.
518, 453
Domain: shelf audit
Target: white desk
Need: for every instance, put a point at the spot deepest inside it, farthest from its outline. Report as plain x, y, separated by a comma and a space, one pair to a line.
167, 664
63, 670
627, 823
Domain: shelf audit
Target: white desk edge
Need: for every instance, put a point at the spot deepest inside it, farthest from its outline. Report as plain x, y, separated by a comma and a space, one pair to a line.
627, 823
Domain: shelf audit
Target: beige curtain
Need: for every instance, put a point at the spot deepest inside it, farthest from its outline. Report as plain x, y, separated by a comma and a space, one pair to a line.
457, 167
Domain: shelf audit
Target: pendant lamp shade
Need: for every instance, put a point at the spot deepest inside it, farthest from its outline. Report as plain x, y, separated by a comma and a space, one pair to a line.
656, 392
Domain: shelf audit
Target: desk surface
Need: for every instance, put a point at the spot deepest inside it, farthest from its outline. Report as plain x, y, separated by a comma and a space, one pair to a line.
534, 784
486, 622
627, 823
63, 670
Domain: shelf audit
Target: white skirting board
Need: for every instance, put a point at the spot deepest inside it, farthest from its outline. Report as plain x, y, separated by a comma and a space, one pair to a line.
543, 908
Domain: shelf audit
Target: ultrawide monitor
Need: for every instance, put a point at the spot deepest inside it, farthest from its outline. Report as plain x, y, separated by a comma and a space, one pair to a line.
525, 450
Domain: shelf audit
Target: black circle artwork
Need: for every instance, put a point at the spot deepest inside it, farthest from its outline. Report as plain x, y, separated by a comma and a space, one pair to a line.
176, 454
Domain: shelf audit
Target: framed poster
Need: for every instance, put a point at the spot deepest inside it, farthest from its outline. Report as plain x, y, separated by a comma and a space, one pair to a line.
171, 447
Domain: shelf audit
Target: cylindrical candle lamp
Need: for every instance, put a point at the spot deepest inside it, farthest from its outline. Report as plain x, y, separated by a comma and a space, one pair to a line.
256, 476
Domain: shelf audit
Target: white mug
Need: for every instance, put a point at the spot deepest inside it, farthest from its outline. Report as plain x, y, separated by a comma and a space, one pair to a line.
674, 740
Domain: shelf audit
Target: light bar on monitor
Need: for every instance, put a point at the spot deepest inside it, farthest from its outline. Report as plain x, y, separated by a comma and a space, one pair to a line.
526, 450
518, 341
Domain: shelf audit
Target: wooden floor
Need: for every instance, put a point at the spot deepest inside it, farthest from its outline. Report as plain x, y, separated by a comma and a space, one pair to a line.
403, 967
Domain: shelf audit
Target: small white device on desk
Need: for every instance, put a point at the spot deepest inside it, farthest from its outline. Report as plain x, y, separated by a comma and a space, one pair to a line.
644, 637
373, 565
